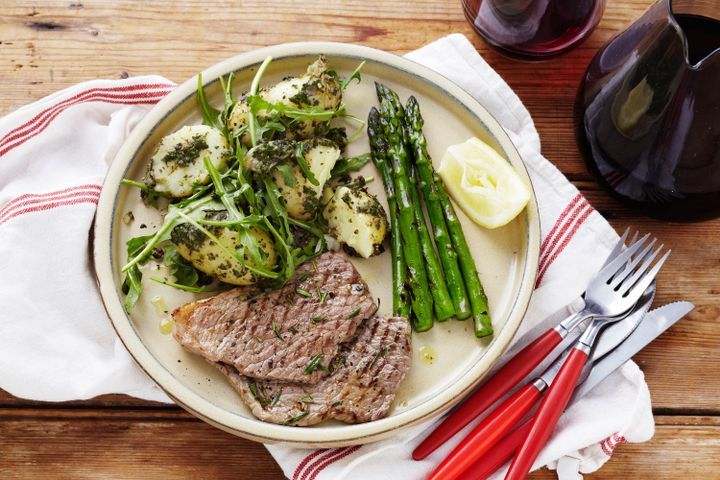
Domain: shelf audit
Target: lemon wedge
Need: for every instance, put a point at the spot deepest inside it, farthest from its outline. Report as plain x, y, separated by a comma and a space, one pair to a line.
483, 183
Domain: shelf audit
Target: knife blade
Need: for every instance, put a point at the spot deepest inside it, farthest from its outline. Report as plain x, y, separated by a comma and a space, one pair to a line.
655, 324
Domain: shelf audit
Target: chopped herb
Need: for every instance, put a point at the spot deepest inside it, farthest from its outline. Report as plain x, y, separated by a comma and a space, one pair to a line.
303, 292
303, 276
297, 418
258, 394
317, 319
274, 399
277, 332
354, 313
336, 403
321, 295
186, 153
336, 363
314, 264
315, 362
307, 399
380, 354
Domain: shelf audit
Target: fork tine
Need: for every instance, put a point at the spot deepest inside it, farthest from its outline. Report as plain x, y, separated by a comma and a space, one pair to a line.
613, 267
642, 278
618, 247
630, 267
634, 239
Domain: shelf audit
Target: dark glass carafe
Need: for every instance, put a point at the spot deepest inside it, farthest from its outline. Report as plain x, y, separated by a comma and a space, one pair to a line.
648, 111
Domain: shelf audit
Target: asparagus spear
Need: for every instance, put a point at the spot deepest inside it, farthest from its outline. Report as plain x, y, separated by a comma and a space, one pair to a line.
424, 169
444, 308
478, 299
476, 293
378, 149
417, 278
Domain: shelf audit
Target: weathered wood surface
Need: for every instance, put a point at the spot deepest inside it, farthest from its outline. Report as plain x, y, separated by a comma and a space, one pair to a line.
45, 46
141, 444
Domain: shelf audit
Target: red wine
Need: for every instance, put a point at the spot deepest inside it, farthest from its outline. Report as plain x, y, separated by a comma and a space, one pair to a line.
648, 118
533, 29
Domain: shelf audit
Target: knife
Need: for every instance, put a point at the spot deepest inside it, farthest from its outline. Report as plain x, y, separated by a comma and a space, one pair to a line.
500, 421
653, 325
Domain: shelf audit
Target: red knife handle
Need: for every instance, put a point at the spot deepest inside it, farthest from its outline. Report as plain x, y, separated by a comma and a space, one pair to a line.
487, 433
548, 414
498, 455
502, 382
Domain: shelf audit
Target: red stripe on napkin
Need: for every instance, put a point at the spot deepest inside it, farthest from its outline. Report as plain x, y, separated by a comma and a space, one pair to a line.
558, 223
41, 121
35, 198
75, 200
299, 469
609, 444
328, 460
567, 224
29, 125
311, 467
572, 228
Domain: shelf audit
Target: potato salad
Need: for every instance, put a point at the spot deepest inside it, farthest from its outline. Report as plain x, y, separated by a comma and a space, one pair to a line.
260, 187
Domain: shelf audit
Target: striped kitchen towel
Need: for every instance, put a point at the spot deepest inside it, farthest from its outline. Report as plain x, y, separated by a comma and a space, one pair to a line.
56, 342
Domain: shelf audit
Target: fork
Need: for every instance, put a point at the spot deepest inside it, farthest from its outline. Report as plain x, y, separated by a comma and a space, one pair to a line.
617, 288
516, 369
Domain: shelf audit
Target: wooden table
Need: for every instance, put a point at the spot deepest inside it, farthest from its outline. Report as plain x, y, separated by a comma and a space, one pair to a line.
46, 46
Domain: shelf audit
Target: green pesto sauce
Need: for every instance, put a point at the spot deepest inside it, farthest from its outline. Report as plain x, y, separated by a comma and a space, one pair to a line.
186, 153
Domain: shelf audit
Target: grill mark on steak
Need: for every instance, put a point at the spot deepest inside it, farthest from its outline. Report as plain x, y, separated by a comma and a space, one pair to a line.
273, 335
360, 390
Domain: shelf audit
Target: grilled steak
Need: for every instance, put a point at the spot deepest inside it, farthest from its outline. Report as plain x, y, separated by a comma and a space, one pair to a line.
276, 335
365, 376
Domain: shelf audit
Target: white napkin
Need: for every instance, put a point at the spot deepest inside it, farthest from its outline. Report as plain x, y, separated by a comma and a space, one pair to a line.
56, 342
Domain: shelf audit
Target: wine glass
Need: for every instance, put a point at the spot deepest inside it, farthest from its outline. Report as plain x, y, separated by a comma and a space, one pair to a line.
533, 29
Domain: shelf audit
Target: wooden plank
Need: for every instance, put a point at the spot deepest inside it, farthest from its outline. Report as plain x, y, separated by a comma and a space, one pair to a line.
43, 46
678, 450
144, 445
50, 45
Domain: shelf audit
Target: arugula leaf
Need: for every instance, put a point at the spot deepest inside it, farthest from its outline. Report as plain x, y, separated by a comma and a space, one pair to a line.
132, 286
210, 114
257, 104
345, 82
345, 166
288, 174
300, 159
254, 86
267, 125
355, 75
184, 273
182, 287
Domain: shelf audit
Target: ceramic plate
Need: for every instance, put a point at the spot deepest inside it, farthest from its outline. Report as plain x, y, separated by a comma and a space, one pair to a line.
506, 257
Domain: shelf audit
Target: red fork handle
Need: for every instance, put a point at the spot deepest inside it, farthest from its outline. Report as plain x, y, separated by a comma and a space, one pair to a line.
502, 382
498, 455
548, 414
487, 433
